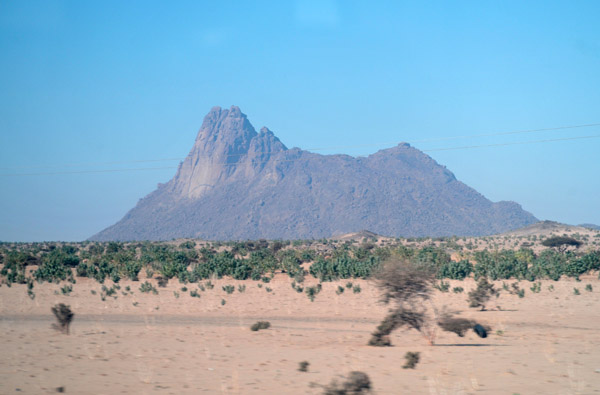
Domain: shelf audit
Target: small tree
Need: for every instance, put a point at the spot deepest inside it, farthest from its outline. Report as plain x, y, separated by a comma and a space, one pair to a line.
409, 287
561, 243
64, 316
482, 294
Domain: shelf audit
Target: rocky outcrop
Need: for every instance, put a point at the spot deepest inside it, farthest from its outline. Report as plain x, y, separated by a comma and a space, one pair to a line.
239, 184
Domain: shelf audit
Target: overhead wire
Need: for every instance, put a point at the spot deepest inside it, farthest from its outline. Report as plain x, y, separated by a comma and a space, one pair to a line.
317, 148
297, 159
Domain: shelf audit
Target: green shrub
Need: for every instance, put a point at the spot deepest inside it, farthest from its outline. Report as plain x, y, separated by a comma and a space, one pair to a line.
356, 289
457, 290
576, 291
312, 292
442, 286
228, 288
588, 287
147, 287
455, 270
339, 290
536, 287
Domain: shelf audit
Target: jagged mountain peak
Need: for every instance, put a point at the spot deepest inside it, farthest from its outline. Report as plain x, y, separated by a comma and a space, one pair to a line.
239, 184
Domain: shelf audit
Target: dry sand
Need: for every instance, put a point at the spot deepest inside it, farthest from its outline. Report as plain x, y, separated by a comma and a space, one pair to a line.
548, 343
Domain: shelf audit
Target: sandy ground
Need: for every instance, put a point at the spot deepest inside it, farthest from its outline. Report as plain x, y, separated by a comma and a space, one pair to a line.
547, 342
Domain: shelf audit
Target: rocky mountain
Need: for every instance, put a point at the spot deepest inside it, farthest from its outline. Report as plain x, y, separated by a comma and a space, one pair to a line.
238, 184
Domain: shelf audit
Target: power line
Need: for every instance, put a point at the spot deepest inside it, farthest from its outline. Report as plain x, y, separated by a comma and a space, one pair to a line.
297, 159
318, 148
88, 171
513, 143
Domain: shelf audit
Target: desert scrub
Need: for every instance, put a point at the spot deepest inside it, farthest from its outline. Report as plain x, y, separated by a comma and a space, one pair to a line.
260, 325
223, 302
576, 291
303, 366
356, 383
412, 359
482, 294
312, 292
458, 290
443, 286
147, 287
589, 288
339, 290
349, 285
194, 293
64, 316
66, 290
242, 288
536, 287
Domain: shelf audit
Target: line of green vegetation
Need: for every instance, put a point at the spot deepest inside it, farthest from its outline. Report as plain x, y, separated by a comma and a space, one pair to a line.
325, 260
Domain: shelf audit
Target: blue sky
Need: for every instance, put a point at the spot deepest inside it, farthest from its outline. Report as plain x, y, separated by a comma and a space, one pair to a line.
86, 83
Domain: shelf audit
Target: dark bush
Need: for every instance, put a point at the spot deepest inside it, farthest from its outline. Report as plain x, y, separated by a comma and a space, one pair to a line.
561, 243
64, 316
355, 383
412, 359
260, 325
456, 325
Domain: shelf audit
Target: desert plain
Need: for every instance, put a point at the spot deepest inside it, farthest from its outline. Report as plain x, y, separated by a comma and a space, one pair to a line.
543, 343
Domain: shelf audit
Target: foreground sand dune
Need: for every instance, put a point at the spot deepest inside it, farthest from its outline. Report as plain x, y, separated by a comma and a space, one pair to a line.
547, 342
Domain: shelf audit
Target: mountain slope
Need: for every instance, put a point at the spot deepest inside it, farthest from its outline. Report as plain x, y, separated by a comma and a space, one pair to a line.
239, 184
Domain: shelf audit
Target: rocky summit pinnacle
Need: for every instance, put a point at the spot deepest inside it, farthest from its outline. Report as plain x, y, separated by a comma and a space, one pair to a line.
238, 184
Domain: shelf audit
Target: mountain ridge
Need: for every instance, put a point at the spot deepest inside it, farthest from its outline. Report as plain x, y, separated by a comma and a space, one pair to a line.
237, 183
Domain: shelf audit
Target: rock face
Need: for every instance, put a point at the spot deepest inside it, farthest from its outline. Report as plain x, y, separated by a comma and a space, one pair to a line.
238, 184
